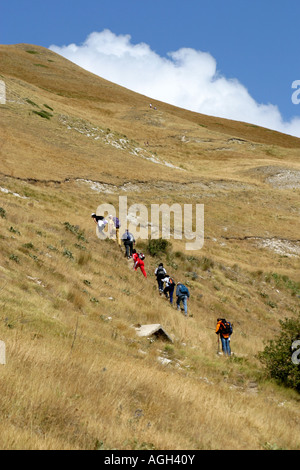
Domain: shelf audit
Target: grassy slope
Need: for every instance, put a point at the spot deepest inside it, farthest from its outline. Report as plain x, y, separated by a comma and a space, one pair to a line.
89, 380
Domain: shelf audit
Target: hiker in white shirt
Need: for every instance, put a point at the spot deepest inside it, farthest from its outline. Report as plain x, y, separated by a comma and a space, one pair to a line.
101, 222
160, 273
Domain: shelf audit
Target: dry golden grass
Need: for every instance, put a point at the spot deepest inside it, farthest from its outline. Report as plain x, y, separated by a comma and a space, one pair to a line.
77, 375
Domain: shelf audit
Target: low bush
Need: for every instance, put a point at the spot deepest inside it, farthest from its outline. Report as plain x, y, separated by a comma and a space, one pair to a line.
277, 355
43, 114
158, 247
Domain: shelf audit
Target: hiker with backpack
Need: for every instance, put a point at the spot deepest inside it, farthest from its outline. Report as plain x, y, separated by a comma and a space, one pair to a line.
114, 228
169, 288
160, 274
138, 260
182, 294
117, 227
111, 227
129, 241
224, 330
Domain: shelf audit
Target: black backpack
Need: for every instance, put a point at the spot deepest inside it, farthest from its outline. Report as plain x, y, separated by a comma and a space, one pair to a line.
226, 327
160, 272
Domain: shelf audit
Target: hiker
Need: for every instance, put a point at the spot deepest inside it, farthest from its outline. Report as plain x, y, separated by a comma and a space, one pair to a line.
169, 288
160, 274
138, 259
117, 227
129, 241
101, 223
114, 228
111, 227
182, 294
224, 330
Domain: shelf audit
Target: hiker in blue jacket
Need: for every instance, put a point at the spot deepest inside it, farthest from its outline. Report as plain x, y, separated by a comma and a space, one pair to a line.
129, 241
182, 294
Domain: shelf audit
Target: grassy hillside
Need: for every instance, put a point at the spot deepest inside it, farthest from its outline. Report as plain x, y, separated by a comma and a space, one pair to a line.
77, 375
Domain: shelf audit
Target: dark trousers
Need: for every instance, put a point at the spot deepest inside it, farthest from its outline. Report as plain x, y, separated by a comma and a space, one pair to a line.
128, 247
160, 284
169, 290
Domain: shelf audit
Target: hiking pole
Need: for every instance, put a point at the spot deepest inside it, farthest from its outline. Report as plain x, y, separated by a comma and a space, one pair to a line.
218, 351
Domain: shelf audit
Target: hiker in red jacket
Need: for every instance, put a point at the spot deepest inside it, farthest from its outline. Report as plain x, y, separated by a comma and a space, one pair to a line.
138, 262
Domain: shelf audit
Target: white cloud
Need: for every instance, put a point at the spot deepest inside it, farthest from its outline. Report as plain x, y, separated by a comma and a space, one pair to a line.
186, 78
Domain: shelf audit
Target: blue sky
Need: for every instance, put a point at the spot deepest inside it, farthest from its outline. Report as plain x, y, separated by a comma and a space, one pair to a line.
253, 44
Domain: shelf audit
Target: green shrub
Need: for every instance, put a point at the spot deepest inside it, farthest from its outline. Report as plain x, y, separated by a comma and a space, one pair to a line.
158, 247
180, 255
2, 213
32, 103
284, 282
14, 258
28, 246
76, 231
271, 304
52, 248
277, 355
14, 230
68, 254
49, 107
80, 247
206, 263
43, 114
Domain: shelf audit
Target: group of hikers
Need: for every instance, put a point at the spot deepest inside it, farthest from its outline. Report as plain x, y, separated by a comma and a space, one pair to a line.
166, 284
166, 287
